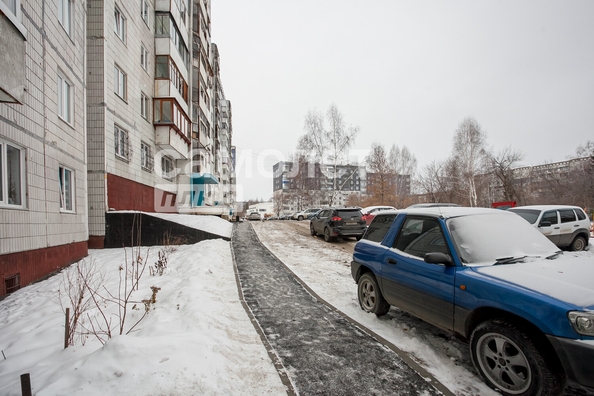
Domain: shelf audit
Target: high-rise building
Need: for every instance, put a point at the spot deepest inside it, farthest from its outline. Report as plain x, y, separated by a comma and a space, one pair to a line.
103, 108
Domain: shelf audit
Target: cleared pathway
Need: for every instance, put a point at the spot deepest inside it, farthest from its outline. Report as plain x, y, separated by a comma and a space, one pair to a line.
316, 350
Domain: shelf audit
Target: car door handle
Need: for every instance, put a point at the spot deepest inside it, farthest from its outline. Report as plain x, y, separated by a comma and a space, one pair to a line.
392, 261
557, 228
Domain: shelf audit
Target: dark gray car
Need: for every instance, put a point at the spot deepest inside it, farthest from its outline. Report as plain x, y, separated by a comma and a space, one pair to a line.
336, 223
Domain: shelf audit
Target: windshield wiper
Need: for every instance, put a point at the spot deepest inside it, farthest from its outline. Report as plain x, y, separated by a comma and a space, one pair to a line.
554, 255
509, 260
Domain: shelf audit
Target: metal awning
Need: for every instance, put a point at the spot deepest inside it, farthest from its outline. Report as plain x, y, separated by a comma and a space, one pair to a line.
203, 178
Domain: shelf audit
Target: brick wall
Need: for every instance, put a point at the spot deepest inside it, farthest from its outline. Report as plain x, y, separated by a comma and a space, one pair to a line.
35, 264
125, 194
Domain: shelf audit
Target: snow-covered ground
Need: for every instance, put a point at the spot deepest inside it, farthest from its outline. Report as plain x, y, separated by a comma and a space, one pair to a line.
197, 338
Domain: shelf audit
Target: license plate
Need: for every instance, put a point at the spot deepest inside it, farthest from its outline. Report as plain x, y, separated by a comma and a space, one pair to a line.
350, 223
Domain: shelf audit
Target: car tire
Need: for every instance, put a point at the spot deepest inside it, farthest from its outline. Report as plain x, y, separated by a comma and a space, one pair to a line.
370, 297
312, 230
327, 236
496, 344
300, 218
359, 237
578, 244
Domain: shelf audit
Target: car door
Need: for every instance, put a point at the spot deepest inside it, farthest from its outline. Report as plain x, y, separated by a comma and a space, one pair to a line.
320, 220
425, 290
549, 226
567, 225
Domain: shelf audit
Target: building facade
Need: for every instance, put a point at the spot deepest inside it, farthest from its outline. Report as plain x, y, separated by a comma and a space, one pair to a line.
299, 185
43, 168
101, 110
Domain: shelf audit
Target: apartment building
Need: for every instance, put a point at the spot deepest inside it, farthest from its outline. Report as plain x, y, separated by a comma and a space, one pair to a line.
43, 169
297, 186
138, 124
103, 108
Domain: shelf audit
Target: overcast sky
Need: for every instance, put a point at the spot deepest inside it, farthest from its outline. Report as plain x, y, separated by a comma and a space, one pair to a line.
407, 73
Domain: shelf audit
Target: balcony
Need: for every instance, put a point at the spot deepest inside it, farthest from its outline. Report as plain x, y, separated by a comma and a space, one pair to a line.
172, 127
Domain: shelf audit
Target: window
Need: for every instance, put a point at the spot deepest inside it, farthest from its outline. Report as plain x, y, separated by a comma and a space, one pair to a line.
420, 236
120, 82
65, 14
167, 167
64, 99
122, 146
12, 174
146, 157
379, 227
144, 57
144, 106
144, 11
12, 5
550, 217
66, 189
120, 24
567, 215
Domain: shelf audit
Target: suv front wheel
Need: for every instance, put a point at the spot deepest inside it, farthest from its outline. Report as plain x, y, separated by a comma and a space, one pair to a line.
510, 362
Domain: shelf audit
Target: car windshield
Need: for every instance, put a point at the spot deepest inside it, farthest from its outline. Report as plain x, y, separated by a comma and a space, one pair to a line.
530, 215
485, 239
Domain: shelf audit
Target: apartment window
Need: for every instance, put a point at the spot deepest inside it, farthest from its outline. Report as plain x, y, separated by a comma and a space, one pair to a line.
122, 145
146, 157
144, 11
64, 99
120, 24
12, 174
66, 189
167, 167
120, 82
65, 14
144, 106
144, 57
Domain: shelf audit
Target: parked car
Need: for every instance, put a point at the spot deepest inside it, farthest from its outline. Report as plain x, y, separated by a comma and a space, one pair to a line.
526, 309
337, 223
370, 212
254, 216
432, 205
565, 226
305, 214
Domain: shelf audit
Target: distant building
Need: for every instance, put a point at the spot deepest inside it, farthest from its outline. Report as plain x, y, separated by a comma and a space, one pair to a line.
314, 184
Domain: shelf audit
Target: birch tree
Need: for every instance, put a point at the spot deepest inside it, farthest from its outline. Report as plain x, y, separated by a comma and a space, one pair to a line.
327, 140
471, 155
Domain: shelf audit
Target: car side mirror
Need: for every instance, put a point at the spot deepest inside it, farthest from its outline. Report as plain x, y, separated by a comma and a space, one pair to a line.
545, 224
439, 258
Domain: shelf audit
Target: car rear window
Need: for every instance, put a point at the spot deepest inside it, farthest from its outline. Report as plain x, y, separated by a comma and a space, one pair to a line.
580, 214
530, 215
348, 214
379, 227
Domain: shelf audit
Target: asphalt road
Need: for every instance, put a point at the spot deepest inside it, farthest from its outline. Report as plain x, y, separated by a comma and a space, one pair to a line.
317, 350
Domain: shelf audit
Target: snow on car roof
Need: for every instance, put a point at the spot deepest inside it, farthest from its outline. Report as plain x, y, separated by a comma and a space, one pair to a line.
453, 211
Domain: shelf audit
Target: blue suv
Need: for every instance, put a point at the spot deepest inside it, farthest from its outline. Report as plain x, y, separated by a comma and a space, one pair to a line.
526, 309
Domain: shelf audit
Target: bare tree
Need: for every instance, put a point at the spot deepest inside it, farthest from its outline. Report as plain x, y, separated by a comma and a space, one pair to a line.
328, 144
380, 181
470, 153
502, 167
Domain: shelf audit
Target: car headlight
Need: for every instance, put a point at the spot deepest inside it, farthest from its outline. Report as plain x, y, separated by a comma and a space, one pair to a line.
582, 322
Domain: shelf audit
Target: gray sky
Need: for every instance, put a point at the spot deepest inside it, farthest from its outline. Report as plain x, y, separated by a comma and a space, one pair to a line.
406, 73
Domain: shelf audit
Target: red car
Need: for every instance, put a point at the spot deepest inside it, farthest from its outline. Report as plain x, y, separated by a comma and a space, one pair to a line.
370, 212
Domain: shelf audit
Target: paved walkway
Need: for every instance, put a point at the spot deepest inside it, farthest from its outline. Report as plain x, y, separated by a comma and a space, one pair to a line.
317, 350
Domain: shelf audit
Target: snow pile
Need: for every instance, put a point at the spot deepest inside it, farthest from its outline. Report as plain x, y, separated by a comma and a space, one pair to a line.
213, 224
197, 338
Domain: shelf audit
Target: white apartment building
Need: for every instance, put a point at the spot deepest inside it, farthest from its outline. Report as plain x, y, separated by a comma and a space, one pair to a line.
43, 205
103, 107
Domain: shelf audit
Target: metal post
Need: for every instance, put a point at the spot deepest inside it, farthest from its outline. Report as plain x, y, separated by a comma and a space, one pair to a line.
26, 384
67, 328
